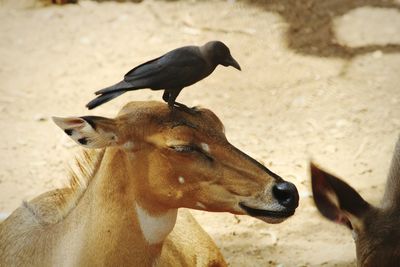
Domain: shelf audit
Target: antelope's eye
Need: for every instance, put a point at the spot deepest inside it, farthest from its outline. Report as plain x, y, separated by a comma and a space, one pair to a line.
183, 148
191, 149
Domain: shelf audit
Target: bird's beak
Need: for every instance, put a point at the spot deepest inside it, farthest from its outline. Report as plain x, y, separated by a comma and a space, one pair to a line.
232, 62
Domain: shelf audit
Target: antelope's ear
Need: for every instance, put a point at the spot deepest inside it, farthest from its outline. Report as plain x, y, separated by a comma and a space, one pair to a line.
89, 131
336, 200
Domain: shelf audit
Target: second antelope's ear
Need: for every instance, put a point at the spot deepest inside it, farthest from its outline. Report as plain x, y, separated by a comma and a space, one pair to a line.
89, 131
392, 191
336, 200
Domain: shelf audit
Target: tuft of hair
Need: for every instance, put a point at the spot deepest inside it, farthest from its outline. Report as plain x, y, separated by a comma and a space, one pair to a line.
3, 216
53, 206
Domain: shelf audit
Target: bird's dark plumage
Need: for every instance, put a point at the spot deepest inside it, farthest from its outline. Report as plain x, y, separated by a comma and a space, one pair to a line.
171, 72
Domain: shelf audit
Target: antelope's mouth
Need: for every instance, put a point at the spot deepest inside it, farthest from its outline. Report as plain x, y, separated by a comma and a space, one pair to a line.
269, 216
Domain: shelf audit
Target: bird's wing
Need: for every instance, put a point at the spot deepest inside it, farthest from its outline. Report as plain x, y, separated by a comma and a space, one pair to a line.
141, 69
175, 69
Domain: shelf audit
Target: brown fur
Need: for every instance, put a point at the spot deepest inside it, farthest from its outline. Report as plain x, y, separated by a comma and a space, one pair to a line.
62, 201
96, 221
376, 230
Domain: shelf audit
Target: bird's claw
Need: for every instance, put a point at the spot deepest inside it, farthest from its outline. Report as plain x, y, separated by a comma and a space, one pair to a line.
183, 107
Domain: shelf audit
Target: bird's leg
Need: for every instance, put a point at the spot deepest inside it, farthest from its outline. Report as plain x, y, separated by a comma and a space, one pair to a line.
166, 96
185, 108
172, 95
173, 104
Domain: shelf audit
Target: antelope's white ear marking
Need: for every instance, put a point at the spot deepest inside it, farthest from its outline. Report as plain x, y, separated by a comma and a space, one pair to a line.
85, 133
66, 123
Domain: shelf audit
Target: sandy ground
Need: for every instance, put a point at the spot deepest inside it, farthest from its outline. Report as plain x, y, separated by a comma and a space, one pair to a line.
320, 80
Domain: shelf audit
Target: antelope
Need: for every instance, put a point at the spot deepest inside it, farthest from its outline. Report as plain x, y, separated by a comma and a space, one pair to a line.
121, 207
376, 230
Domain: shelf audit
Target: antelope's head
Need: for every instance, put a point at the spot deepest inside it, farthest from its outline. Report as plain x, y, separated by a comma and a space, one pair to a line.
184, 160
376, 230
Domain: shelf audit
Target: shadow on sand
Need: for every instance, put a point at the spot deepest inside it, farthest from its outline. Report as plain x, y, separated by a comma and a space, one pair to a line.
310, 22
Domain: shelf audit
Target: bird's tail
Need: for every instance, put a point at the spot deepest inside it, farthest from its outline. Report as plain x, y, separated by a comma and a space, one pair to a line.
101, 99
121, 86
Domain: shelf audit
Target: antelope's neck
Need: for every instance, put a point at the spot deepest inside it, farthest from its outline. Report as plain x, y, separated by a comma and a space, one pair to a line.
122, 211
155, 228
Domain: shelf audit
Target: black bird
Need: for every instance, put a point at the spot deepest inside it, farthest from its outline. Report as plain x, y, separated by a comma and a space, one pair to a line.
171, 72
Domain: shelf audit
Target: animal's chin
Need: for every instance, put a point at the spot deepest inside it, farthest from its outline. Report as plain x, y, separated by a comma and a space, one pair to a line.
268, 216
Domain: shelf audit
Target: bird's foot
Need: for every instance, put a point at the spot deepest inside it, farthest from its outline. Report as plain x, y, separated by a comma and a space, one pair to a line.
183, 107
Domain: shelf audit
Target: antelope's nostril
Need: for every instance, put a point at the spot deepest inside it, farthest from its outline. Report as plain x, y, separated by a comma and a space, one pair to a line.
286, 194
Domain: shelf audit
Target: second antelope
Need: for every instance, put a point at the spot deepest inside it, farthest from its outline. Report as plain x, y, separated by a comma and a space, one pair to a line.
376, 230
144, 165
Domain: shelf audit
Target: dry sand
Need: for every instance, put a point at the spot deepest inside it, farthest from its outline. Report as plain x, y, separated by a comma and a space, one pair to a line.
320, 80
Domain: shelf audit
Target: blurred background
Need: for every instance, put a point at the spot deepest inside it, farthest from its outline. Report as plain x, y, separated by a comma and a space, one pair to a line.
320, 80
